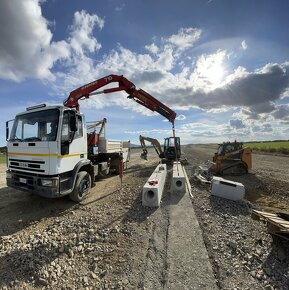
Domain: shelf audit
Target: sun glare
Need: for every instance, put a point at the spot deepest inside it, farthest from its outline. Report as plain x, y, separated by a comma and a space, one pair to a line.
210, 70
215, 73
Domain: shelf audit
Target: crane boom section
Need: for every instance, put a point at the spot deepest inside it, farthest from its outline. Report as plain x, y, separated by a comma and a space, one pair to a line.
140, 96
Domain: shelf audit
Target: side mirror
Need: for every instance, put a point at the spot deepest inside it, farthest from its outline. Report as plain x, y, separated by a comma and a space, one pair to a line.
7, 130
72, 121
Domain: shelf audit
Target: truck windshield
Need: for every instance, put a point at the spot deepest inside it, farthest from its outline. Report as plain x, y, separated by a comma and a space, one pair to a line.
36, 126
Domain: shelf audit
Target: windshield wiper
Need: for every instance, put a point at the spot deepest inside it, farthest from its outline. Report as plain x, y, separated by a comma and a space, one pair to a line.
15, 139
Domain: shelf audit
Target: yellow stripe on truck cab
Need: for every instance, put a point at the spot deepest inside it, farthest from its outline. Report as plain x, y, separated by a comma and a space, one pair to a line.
43, 155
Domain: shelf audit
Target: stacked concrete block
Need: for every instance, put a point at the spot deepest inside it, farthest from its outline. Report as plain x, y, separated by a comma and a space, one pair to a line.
178, 184
153, 189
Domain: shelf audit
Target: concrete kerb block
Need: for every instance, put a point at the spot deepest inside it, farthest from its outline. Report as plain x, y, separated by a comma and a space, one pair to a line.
227, 188
153, 189
179, 179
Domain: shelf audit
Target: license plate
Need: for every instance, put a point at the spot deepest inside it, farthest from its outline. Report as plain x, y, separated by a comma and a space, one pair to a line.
23, 180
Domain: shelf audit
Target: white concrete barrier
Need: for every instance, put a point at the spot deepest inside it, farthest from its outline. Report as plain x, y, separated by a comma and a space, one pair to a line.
227, 189
153, 189
179, 179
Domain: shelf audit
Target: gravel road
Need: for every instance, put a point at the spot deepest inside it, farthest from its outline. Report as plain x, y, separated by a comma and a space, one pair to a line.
110, 241
243, 254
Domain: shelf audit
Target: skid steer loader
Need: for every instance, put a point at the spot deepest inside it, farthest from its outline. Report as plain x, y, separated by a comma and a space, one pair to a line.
230, 159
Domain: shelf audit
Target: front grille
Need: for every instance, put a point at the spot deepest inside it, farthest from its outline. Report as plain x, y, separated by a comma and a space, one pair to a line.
26, 165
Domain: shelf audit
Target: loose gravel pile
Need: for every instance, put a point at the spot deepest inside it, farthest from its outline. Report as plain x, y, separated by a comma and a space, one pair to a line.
112, 242
89, 247
243, 254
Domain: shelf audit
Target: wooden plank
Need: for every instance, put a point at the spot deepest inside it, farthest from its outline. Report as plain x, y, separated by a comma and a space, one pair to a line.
281, 221
269, 215
283, 229
272, 216
279, 224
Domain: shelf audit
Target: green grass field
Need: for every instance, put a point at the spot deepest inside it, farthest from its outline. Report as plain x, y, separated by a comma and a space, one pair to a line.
2, 159
273, 147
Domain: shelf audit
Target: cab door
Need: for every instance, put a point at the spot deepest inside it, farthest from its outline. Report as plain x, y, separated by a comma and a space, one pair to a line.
73, 141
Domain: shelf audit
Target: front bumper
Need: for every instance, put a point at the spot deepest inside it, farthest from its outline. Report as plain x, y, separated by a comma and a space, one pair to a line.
33, 183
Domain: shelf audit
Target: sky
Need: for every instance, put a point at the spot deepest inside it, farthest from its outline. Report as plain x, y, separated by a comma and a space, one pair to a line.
222, 66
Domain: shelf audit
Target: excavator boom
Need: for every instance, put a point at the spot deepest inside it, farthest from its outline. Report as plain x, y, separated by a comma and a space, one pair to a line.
139, 96
154, 142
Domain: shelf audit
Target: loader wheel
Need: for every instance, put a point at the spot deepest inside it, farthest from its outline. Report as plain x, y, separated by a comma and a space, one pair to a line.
82, 187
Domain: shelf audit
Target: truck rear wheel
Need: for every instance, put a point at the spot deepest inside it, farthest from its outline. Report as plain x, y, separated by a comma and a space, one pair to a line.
82, 186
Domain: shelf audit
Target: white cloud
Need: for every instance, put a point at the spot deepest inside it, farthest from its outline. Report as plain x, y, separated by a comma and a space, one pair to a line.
152, 48
150, 132
163, 71
82, 32
165, 59
255, 92
244, 45
185, 38
27, 49
181, 117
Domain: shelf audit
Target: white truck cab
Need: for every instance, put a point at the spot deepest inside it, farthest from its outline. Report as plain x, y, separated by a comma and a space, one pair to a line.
47, 153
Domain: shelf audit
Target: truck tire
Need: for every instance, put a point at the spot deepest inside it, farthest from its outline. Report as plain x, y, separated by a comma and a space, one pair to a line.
82, 187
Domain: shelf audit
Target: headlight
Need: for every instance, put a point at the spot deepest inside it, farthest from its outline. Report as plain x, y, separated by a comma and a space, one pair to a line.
49, 182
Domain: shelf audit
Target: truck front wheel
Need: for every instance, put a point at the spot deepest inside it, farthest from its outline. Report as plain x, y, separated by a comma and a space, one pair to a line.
82, 186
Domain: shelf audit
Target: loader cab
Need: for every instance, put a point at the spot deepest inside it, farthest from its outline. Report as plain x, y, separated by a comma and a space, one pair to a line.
169, 147
229, 147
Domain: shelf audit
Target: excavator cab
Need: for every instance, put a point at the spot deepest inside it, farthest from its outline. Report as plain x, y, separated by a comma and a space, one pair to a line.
169, 148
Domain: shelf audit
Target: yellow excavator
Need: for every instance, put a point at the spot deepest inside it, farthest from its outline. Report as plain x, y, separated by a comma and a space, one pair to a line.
171, 151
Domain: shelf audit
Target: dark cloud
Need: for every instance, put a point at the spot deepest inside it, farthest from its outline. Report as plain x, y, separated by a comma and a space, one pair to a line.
267, 128
237, 124
257, 91
262, 128
251, 115
281, 112
263, 107
144, 77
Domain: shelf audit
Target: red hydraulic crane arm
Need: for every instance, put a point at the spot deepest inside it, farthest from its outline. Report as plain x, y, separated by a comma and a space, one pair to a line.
140, 96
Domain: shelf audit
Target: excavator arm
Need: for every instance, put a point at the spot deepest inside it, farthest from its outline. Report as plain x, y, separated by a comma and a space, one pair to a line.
139, 96
154, 142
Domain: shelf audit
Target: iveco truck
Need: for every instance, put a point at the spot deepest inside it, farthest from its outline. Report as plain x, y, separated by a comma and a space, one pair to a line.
48, 153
